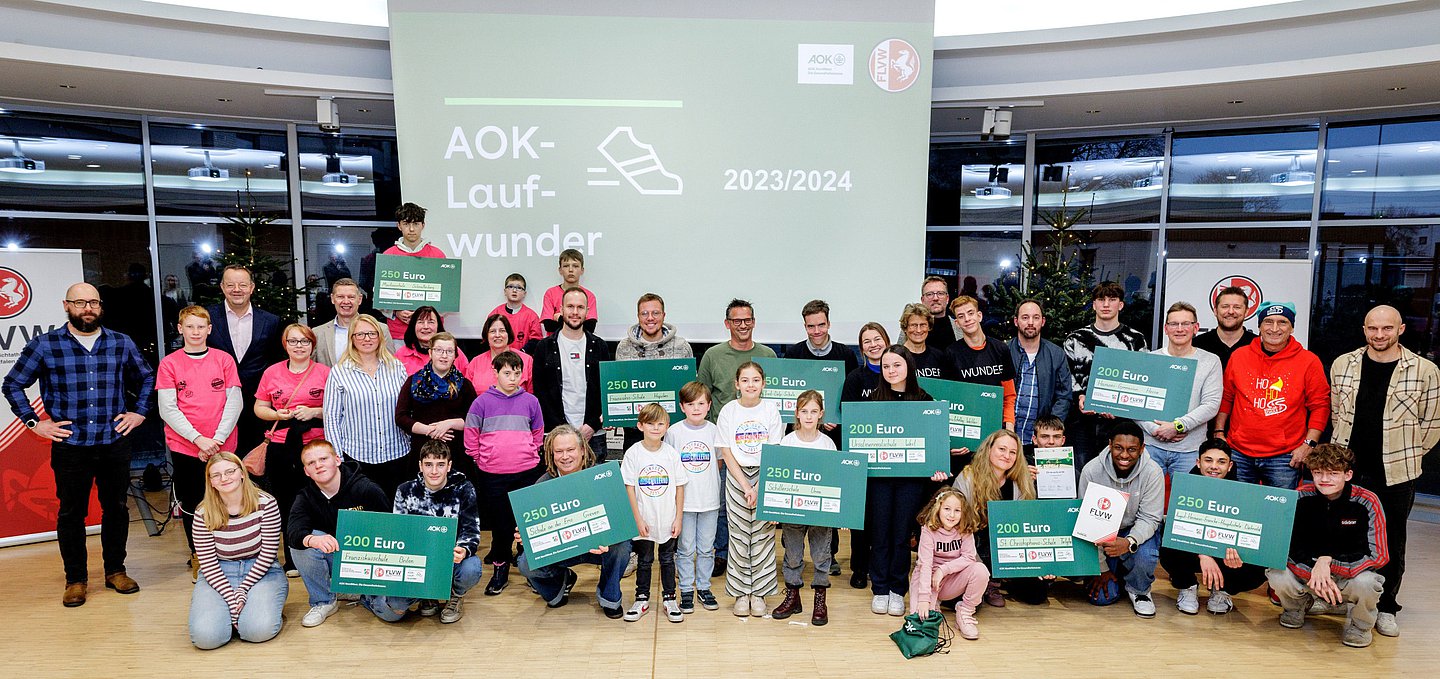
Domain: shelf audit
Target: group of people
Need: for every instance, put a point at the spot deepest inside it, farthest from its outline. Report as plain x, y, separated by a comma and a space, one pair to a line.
390, 415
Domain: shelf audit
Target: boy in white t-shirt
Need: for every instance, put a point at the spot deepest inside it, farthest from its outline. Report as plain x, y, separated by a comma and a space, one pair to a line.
655, 482
696, 439
809, 411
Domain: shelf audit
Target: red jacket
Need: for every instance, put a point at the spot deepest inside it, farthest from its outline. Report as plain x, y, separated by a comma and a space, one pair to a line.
1273, 400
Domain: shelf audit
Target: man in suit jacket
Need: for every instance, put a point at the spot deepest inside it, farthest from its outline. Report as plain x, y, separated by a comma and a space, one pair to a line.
252, 336
332, 336
567, 372
1042, 372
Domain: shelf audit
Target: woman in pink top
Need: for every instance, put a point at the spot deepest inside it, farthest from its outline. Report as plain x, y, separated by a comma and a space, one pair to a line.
498, 335
425, 323
198, 390
291, 395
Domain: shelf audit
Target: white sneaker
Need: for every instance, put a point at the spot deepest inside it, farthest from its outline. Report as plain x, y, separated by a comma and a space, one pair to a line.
758, 607
637, 610
896, 604
1387, 625
1143, 604
1219, 603
742, 606
317, 614
630, 566
1188, 601
672, 610
880, 605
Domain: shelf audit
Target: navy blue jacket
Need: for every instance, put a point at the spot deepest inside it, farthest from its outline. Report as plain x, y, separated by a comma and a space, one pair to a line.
1052, 373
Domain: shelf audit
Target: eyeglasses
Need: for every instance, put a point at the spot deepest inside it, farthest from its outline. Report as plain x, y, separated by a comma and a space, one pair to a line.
654, 314
1180, 324
227, 474
741, 321
366, 335
933, 294
298, 342
442, 352
84, 303
512, 286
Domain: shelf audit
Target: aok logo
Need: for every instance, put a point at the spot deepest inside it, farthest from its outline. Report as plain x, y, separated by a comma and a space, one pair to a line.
14, 293
673, 368
830, 369
1276, 498
932, 411
836, 59
852, 463
438, 529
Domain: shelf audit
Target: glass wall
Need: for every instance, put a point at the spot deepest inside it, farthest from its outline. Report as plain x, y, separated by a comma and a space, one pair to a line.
1100, 181
976, 184
70, 164
1385, 171
1246, 176
347, 176
202, 170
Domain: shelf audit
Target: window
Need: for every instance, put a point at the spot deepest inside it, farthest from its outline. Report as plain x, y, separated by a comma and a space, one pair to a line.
976, 184
1105, 181
335, 252
201, 170
1248, 176
1386, 171
70, 164
344, 176
1226, 243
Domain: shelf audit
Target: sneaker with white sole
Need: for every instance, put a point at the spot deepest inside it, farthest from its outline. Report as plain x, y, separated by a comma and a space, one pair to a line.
896, 605
880, 605
1219, 603
1387, 625
687, 602
1188, 600
453, 610
318, 613
429, 607
707, 600
758, 607
672, 609
1142, 603
638, 609
1354, 637
630, 565
742, 606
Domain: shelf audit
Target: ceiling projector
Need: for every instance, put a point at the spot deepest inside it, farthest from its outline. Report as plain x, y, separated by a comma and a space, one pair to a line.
209, 174
21, 164
992, 193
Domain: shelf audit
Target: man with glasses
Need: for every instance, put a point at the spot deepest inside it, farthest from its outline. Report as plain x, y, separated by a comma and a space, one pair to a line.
1042, 374
96, 390
252, 336
1175, 445
718, 365
332, 336
935, 294
650, 337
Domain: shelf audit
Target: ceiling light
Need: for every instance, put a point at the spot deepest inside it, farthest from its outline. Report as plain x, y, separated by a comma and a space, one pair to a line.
1236, 101
335, 176
1396, 88
224, 100
339, 248
1332, 160
12, 245
1357, 172
67, 87
93, 165
208, 172
1231, 177
1093, 111
206, 248
1097, 177
19, 164
1005, 263
366, 110
1294, 176
74, 156
1247, 169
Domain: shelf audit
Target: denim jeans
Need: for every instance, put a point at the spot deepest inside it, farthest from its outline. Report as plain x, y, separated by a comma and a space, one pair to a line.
393, 608
695, 557
314, 567
1275, 472
1136, 570
210, 625
1363, 591
548, 580
1173, 462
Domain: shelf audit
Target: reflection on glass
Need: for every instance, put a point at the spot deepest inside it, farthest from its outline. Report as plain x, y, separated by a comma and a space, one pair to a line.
1363, 266
1243, 177
335, 252
1101, 181
344, 176
1290, 243
975, 263
201, 170
67, 164
1126, 256
1386, 171
976, 184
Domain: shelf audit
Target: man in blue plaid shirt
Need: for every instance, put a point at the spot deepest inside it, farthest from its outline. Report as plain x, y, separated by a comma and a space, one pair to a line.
95, 387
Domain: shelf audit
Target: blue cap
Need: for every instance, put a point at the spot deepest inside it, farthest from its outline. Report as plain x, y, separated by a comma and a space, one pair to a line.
1268, 309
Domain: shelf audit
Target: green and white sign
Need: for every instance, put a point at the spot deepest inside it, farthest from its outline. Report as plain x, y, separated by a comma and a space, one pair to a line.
1139, 385
627, 386
394, 555
899, 438
404, 282
1030, 538
809, 487
1208, 516
787, 378
975, 409
573, 514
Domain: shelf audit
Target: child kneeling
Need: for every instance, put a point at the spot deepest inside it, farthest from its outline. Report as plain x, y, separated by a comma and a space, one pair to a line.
948, 566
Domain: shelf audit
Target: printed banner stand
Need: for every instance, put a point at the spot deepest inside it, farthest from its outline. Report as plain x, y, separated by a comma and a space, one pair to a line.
628, 386
1263, 280
1208, 516
406, 555
809, 487
573, 514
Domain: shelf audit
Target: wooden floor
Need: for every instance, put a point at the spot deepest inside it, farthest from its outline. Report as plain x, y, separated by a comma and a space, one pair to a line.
515, 635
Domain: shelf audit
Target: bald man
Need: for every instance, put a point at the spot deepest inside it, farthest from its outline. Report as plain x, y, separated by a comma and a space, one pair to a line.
96, 389
1385, 402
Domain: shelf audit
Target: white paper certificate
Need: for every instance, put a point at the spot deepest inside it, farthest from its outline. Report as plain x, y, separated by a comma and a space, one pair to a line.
1100, 514
1055, 473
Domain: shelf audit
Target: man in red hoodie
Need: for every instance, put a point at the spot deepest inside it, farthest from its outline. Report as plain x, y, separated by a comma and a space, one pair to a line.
1276, 402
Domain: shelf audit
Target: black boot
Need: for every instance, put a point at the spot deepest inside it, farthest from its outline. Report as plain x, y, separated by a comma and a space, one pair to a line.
499, 581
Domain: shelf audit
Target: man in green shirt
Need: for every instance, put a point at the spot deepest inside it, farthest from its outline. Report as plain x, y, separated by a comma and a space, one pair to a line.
718, 365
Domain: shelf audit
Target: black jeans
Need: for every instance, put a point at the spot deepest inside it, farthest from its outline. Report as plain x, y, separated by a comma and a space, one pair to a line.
1182, 567
496, 515
645, 550
389, 475
1397, 501
1031, 591
890, 508
77, 469
188, 476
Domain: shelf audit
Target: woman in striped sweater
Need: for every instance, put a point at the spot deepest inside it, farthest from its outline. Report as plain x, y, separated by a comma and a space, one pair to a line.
237, 534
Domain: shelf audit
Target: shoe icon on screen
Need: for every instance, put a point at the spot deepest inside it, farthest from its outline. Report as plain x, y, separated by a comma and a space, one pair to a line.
638, 163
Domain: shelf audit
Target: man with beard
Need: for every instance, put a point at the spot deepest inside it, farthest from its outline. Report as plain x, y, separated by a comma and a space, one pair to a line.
1042, 375
1230, 332
567, 372
331, 337
96, 390
650, 337
1385, 404
935, 294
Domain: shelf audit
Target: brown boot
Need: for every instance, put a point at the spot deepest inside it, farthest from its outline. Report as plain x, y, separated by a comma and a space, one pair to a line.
194, 568
819, 613
790, 605
74, 594
122, 583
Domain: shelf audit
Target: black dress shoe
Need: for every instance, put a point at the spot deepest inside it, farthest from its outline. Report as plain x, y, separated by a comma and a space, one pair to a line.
719, 569
859, 581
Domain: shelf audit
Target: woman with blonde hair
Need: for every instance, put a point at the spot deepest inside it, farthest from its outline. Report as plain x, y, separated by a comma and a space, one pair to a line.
915, 325
998, 472
360, 396
237, 536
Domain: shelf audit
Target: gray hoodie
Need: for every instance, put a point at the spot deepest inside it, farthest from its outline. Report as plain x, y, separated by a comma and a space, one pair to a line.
670, 345
1145, 511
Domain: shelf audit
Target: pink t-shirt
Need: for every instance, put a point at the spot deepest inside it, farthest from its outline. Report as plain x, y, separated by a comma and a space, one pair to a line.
200, 385
414, 360
397, 327
278, 386
524, 325
482, 372
551, 303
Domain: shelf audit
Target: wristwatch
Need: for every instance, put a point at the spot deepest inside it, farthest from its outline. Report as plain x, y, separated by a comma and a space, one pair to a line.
1311, 442
1134, 546
31, 422
1179, 426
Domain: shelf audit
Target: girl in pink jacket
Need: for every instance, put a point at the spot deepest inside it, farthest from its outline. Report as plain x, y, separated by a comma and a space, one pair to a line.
948, 566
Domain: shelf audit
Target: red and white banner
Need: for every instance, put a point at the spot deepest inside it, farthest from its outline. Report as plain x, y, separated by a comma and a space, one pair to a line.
1197, 281
32, 287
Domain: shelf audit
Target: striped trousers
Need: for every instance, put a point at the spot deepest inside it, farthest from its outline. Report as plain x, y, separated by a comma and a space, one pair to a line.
751, 568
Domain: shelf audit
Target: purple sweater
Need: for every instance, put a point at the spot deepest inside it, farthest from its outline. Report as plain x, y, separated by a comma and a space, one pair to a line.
503, 433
